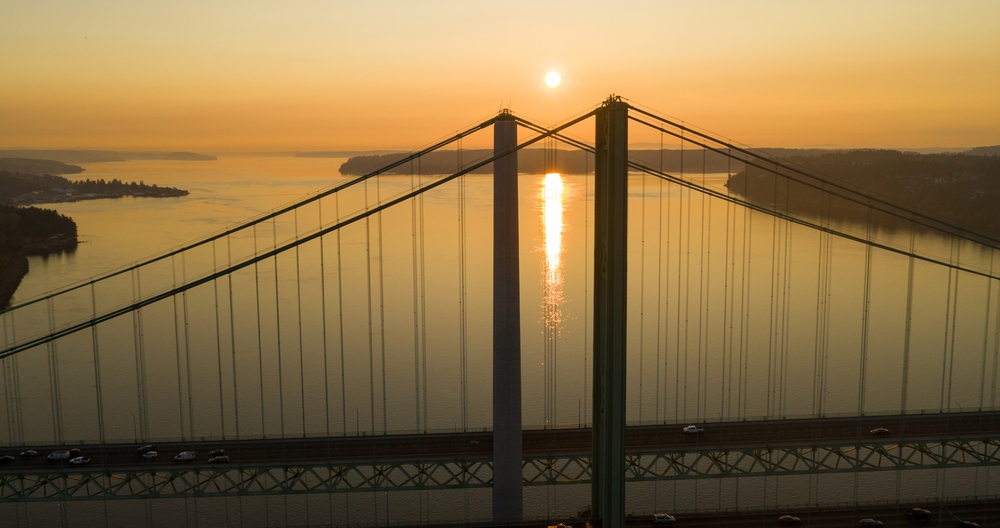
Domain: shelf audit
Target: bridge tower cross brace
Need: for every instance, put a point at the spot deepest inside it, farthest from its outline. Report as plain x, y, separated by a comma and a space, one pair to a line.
610, 281
508, 501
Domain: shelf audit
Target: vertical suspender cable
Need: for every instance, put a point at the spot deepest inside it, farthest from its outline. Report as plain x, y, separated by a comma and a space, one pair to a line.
986, 335
996, 343
322, 312
368, 303
642, 287
141, 365
586, 283
772, 308
909, 322
95, 347
817, 380
862, 375
947, 327
687, 294
381, 304
666, 303
260, 343
232, 337
954, 321
187, 348
298, 300
745, 302
659, 288
416, 304
54, 378
277, 330
177, 349
462, 338
682, 413
340, 315
16, 431
218, 341
725, 387
786, 302
423, 296
706, 259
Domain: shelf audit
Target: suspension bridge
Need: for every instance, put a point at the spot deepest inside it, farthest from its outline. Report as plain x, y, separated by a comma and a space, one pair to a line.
372, 338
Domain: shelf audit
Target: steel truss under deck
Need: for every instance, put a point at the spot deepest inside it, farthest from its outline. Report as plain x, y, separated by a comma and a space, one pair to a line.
220, 481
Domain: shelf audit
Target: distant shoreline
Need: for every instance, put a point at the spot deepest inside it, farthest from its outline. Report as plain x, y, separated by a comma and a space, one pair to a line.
98, 156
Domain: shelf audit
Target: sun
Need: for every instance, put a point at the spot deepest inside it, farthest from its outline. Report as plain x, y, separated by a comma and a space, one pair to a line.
552, 79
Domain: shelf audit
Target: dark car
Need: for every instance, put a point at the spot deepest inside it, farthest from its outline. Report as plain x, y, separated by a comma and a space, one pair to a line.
73, 453
870, 522
965, 524
917, 514
879, 431
216, 453
30, 453
221, 459
789, 520
6, 459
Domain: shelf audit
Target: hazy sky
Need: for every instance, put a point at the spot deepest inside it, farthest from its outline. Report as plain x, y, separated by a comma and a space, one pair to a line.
253, 75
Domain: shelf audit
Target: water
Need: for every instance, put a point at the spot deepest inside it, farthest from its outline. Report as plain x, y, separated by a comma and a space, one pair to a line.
732, 315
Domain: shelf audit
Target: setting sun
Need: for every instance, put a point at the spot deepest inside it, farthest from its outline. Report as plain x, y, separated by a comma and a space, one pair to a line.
552, 79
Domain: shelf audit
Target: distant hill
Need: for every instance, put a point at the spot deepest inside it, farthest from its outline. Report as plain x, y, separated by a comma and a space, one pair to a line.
343, 153
962, 189
984, 151
94, 156
37, 166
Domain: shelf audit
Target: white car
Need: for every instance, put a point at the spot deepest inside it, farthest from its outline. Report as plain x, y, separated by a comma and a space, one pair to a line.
693, 429
664, 518
79, 461
58, 455
149, 454
184, 456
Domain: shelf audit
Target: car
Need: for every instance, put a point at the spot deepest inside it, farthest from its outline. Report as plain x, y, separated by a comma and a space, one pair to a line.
149, 454
146, 448
664, 518
29, 453
965, 524
221, 459
693, 429
184, 456
917, 514
73, 453
6, 459
216, 453
789, 520
879, 431
58, 455
870, 522
79, 461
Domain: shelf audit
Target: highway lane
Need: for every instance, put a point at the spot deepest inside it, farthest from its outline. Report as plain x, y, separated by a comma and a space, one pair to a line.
536, 443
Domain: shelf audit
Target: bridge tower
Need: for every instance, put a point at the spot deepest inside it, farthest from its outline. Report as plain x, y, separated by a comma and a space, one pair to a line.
508, 502
610, 286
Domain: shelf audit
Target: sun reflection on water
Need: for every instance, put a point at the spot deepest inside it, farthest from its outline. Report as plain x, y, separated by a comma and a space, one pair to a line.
553, 195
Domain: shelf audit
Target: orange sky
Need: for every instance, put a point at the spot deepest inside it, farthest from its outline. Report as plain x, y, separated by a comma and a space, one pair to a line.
327, 75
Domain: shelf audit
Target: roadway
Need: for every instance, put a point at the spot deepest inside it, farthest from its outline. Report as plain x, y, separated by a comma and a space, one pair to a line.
536, 443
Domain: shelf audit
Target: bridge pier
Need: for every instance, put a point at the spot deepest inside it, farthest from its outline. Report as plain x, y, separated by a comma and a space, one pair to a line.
508, 502
610, 286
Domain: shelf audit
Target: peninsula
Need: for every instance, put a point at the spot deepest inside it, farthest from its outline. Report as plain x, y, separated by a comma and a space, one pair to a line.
27, 230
